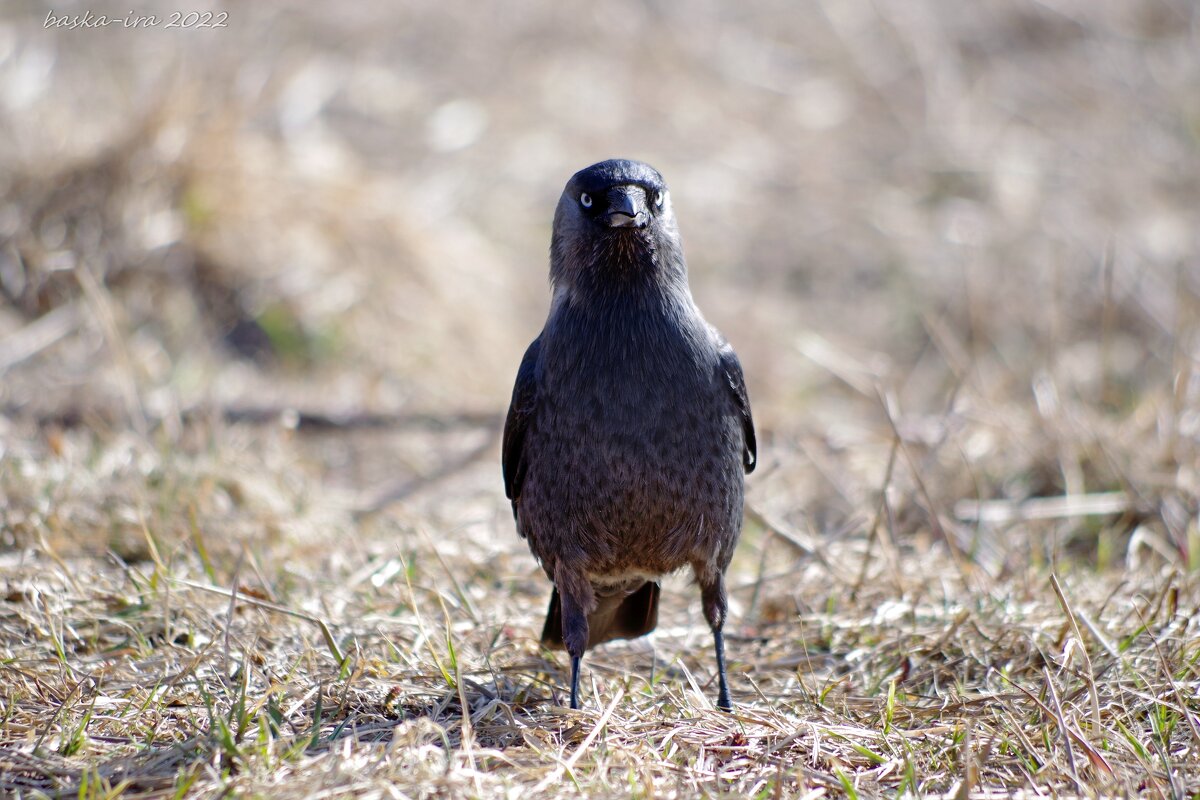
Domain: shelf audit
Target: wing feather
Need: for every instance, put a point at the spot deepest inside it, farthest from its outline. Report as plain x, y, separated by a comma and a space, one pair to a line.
736, 381
520, 413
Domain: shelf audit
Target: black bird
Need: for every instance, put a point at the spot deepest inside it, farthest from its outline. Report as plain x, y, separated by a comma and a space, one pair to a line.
630, 427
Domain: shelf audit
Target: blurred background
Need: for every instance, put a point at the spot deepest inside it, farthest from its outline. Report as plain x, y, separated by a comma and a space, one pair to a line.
969, 225
264, 288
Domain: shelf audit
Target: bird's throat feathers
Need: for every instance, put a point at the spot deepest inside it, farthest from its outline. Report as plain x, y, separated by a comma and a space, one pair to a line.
629, 264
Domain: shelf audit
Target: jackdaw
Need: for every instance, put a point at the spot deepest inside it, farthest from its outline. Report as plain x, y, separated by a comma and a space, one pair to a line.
629, 429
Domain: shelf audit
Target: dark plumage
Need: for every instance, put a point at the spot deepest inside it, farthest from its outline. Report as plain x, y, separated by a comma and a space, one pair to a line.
630, 427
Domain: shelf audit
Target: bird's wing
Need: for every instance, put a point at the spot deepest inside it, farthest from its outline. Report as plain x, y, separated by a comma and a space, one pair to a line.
732, 369
520, 412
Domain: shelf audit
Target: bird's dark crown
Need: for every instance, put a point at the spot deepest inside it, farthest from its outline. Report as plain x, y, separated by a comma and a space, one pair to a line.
617, 172
614, 231
621, 196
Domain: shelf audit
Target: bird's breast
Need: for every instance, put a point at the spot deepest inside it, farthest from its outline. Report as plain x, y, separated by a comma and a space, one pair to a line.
643, 426
634, 452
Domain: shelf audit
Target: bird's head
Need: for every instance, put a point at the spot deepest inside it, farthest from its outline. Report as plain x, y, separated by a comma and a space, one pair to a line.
614, 220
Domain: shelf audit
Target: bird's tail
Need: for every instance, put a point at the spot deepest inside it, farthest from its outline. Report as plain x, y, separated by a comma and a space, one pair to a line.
617, 616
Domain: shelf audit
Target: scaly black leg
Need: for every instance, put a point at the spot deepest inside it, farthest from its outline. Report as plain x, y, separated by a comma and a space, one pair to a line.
576, 596
712, 596
723, 701
575, 682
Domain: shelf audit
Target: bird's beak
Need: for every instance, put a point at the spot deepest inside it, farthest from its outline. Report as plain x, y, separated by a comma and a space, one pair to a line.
627, 207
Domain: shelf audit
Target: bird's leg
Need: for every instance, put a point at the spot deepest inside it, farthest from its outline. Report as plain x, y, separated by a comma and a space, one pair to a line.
712, 596
723, 701
575, 592
575, 682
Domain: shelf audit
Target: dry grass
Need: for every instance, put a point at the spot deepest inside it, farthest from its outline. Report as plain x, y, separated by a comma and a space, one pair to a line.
955, 247
221, 644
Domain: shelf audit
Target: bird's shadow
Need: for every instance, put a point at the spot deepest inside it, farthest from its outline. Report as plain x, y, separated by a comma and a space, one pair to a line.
517, 705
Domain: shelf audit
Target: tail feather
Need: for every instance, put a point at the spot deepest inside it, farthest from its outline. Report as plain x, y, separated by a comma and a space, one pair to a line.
618, 616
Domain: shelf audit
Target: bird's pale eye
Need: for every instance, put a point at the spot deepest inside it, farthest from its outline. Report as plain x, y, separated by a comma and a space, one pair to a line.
659, 198
585, 200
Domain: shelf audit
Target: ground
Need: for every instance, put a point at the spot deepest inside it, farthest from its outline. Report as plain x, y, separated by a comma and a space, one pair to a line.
264, 289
